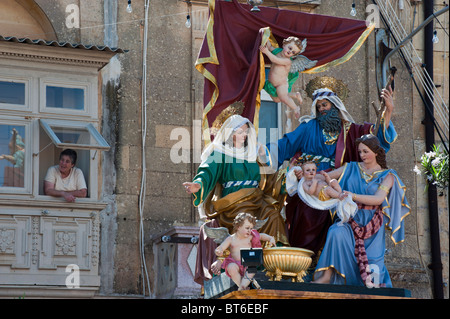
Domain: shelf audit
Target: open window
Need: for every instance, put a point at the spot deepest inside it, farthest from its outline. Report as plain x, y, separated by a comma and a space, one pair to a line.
269, 120
57, 135
76, 135
48, 107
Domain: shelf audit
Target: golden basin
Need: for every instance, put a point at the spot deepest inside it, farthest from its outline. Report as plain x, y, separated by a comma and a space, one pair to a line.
288, 262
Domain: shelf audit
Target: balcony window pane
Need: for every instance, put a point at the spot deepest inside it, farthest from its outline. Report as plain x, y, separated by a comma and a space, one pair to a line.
65, 98
12, 155
12, 93
268, 122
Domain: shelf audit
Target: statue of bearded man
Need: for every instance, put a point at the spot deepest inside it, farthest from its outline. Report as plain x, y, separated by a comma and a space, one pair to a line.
326, 137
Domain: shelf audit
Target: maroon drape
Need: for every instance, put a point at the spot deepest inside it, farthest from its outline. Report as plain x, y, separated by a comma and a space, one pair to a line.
235, 38
345, 147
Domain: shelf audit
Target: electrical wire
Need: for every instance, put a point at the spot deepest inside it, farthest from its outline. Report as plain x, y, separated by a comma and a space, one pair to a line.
411, 55
403, 54
144, 271
440, 24
137, 21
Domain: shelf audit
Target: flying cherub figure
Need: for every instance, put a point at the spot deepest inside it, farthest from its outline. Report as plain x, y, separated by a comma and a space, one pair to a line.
286, 64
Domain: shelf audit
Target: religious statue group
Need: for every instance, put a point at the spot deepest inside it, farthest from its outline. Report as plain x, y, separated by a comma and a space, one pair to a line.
329, 178
231, 180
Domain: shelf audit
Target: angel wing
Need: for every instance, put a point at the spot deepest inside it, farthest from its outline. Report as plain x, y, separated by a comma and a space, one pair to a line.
304, 43
301, 63
260, 223
217, 234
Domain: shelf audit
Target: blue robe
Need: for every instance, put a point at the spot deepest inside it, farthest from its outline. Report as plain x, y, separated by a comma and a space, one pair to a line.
309, 138
338, 252
307, 227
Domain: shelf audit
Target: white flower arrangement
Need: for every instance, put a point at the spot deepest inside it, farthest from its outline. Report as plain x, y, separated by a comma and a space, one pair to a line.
434, 167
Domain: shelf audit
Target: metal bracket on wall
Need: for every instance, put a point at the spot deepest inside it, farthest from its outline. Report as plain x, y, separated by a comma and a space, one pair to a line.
180, 240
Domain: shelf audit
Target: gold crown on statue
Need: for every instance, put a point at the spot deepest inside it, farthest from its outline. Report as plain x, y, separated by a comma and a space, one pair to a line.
322, 82
233, 109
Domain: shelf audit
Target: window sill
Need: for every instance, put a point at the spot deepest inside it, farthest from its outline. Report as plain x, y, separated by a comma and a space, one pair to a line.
43, 202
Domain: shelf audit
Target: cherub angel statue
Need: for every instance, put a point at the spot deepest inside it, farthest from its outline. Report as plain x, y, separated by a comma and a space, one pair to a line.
244, 236
286, 64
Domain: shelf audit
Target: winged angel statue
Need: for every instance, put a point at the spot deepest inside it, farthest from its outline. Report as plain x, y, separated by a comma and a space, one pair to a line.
219, 234
301, 62
287, 63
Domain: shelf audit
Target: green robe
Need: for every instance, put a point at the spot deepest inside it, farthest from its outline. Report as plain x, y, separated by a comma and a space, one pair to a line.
263, 201
225, 170
239, 186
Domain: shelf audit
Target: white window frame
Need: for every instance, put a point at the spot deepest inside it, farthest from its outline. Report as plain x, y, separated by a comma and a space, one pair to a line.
17, 79
47, 126
28, 176
36, 81
87, 87
266, 97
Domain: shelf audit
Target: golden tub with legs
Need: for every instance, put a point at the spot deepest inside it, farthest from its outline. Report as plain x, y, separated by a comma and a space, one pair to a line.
287, 262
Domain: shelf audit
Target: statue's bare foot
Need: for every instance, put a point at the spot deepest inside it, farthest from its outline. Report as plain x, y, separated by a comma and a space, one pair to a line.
299, 98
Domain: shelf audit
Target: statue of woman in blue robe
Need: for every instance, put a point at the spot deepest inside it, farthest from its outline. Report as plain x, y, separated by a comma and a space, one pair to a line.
354, 252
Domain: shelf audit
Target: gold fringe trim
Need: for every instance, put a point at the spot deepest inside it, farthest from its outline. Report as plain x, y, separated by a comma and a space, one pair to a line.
347, 56
199, 66
330, 267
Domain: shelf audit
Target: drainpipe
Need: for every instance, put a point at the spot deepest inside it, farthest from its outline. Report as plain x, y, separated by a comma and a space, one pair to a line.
436, 263
192, 100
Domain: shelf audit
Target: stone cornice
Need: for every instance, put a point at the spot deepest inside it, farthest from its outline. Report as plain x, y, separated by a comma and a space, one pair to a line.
55, 55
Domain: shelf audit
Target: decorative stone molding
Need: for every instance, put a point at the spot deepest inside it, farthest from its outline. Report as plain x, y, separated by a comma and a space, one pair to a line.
7, 241
54, 55
65, 243
35, 240
36, 248
95, 238
14, 241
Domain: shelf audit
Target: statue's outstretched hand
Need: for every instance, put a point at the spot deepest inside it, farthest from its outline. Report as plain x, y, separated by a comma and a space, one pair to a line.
272, 242
191, 187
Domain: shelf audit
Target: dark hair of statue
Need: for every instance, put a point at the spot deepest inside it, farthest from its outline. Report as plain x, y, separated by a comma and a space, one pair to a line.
372, 142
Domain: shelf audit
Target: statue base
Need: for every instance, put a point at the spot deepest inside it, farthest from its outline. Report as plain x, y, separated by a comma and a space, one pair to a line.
224, 288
